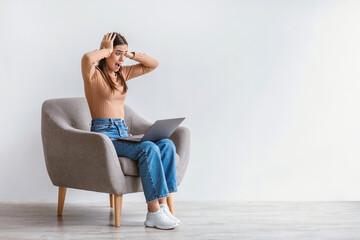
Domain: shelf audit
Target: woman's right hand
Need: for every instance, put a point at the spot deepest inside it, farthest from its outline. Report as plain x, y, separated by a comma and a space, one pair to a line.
107, 41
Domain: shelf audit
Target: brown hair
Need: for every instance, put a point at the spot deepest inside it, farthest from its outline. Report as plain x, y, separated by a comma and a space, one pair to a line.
119, 40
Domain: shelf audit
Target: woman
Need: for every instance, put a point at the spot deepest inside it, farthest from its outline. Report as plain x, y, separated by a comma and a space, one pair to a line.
105, 90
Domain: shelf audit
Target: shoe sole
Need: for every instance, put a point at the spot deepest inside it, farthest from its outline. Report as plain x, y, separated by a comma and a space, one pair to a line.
154, 226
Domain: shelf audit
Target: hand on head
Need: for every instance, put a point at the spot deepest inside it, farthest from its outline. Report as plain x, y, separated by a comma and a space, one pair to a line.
107, 41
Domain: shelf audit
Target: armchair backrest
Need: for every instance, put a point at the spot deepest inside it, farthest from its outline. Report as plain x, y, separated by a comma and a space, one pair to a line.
74, 112
68, 112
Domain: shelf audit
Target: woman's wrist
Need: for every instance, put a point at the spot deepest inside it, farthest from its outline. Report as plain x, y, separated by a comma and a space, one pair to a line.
109, 51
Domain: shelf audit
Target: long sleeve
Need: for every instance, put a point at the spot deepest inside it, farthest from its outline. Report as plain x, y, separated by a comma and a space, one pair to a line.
89, 59
146, 64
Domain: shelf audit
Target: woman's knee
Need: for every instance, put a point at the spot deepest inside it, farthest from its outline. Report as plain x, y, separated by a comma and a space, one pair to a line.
149, 146
168, 143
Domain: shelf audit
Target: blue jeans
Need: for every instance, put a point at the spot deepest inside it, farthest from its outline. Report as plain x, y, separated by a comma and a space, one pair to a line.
156, 160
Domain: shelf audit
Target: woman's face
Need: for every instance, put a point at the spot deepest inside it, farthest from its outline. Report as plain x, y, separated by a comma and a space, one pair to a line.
116, 58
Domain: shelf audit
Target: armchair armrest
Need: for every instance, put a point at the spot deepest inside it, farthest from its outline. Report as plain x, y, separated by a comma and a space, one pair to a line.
81, 159
181, 138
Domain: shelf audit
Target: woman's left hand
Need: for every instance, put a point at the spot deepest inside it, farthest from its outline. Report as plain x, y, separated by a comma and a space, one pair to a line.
129, 55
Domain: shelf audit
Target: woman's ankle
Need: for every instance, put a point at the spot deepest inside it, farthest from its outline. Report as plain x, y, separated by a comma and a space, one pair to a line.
153, 206
162, 200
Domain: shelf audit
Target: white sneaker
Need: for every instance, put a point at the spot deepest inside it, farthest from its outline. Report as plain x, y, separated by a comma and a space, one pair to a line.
160, 220
166, 210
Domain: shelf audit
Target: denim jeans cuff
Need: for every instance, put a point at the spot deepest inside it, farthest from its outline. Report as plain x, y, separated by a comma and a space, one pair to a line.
173, 190
158, 197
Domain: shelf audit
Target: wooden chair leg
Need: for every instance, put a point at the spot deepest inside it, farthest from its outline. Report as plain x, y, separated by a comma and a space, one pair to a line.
111, 200
61, 200
169, 201
118, 205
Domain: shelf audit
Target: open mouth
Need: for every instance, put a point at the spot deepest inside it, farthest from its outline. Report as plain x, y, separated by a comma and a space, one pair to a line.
117, 65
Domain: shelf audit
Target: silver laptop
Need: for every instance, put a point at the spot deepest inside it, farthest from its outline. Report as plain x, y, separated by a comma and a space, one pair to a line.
159, 130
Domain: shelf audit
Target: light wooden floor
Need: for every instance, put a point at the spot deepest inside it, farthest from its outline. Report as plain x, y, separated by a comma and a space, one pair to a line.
200, 220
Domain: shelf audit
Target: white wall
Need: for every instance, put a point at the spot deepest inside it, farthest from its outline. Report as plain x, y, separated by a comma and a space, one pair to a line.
269, 89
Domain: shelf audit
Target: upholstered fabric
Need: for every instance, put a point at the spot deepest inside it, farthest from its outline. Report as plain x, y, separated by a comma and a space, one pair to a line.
78, 158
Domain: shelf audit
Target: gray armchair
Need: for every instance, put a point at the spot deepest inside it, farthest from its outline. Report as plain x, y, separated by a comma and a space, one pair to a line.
80, 159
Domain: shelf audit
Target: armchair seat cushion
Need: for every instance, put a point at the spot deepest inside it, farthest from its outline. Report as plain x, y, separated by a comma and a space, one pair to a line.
130, 168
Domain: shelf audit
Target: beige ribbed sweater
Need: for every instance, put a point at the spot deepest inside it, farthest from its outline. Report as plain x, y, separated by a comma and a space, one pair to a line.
102, 103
